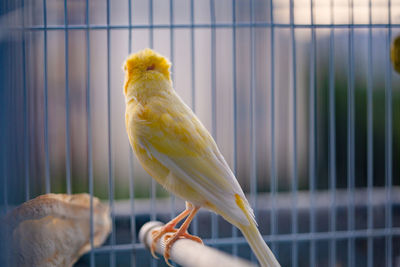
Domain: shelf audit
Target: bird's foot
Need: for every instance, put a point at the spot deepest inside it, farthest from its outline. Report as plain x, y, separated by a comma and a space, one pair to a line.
170, 239
157, 234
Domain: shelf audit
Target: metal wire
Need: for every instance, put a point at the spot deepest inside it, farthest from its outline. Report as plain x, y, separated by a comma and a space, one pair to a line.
350, 139
235, 128
370, 147
89, 136
153, 188
131, 167
208, 25
67, 130
46, 105
109, 141
272, 143
214, 218
294, 114
253, 121
25, 111
282, 238
172, 47
312, 142
388, 143
332, 141
195, 222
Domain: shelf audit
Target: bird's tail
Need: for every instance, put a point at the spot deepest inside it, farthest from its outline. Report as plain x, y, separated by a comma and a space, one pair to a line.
264, 255
253, 236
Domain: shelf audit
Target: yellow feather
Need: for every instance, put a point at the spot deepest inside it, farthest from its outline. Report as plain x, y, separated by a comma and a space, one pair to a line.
176, 149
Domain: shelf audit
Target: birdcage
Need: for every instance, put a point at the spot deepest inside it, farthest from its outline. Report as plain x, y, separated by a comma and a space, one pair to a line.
300, 96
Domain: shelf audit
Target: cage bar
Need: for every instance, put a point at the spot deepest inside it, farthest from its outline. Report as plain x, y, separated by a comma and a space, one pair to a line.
195, 222
67, 115
46, 105
350, 138
25, 112
89, 137
131, 167
208, 25
312, 142
273, 180
109, 141
172, 46
214, 219
294, 227
234, 99
332, 140
370, 146
388, 144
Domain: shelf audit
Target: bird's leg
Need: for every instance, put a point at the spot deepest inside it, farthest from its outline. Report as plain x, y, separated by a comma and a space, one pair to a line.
181, 233
169, 227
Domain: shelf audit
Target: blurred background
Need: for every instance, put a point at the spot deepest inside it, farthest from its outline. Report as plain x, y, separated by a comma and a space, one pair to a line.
300, 96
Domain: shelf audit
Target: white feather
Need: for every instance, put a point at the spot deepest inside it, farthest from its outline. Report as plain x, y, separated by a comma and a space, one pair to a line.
220, 197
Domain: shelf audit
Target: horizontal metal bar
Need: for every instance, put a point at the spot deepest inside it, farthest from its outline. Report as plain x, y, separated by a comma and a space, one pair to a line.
276, 238
205, 25
119, 247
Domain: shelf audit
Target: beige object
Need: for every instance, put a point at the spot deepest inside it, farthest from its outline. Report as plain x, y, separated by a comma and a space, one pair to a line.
54, 229
190, 253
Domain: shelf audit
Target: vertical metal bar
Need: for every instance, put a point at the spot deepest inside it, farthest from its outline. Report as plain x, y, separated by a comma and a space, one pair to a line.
192, 47
131, 167
151, 37
350, 139
294, 115
370, 146
388, 142
89, 136
132, 203
25, 109
13, 139
6, 145
5, 175
45, 95
67, 130
214, 218
312, 135
332, 140
253, 134
195, 223
5, 120
234, 229
4, 133
253, 118
153, 188
171, 39
273, 160
110, 163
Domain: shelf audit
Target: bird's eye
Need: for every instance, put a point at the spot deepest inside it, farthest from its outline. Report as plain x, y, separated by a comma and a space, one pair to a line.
151, 67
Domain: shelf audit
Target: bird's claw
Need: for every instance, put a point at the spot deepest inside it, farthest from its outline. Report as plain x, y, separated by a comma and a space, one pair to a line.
156, 235
170, 239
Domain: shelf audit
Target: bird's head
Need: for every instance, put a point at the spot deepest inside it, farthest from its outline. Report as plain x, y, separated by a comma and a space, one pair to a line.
146, 65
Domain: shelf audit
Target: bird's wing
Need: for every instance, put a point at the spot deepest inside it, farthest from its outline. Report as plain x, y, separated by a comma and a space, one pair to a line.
178, 140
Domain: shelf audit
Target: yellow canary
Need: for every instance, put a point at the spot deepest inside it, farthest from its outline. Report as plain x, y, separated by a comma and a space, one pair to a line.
176, 149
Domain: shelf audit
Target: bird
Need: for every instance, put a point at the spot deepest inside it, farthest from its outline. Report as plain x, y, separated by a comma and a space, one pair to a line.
177, 150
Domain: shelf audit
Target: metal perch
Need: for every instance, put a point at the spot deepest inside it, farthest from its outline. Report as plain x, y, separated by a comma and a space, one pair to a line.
189, 253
